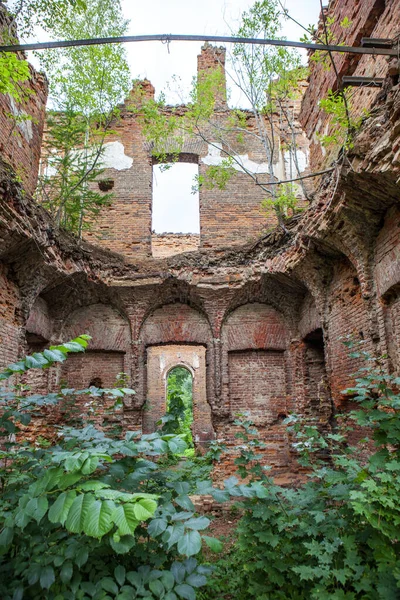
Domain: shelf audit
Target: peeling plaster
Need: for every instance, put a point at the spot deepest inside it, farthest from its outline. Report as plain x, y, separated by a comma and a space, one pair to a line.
215, 158
114, 157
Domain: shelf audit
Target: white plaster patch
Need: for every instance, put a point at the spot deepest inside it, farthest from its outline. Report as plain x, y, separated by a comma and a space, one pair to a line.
195, 361
114, 157
241, 162
290, 165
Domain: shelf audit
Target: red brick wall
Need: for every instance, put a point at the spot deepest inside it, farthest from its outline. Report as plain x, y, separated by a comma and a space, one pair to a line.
10, 321
257, 385
369, 18
93, 368
347, 316
387, 253
169, 244
20, 142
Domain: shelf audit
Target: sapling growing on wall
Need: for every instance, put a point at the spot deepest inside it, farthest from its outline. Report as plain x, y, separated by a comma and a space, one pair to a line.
86, 85
268, 77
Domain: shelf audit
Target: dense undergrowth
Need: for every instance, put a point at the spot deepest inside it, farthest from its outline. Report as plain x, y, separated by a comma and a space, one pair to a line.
102, 517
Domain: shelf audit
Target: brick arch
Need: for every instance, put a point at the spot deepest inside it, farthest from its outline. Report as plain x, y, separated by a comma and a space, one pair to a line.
175, 323
161, 360
256, 365
255, 326
108, 329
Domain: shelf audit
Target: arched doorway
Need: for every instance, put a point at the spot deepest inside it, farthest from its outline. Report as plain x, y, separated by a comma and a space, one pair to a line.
179, 402
161, 362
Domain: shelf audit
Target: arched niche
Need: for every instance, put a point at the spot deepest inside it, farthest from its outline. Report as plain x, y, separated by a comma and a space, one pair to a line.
108, 352
255, 340
39, 325
175, 323
106, 326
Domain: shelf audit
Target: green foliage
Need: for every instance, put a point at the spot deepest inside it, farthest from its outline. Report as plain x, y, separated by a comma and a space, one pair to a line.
337, 535
179, 416
31, 14
67, 187
343, 126
92, 516
86, 84
13, 72
286, 201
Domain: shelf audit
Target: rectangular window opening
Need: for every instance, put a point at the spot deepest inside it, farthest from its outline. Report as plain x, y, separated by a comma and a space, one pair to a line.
175, 209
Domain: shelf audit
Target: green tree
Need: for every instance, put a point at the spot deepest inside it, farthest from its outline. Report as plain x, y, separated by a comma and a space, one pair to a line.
86, 85
23, 16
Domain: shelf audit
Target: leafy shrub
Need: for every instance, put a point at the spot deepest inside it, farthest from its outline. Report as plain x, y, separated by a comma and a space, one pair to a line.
337, 536
92, 517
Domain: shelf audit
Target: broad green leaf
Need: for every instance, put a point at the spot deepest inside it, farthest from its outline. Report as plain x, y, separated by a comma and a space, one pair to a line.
98, 520
119, 574
198, 523
6, 536
109, 585
58, 512
37, 508
157, 588
90, 465
88, 486
178, 571
196, 580
168, 580
46, 483
69, 479
47, 577
66, 572
82, 557
190, 543
157, 526
78, 512
125, 519
123, 544
135, 578
185, 591
144, 509
54, 355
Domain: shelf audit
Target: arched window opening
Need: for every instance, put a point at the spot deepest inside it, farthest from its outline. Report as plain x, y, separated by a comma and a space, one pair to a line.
179, 397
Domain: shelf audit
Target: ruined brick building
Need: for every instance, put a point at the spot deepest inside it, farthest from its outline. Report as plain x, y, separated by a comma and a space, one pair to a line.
257, 317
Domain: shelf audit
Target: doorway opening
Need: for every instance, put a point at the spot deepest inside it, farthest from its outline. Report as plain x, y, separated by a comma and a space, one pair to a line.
179, 401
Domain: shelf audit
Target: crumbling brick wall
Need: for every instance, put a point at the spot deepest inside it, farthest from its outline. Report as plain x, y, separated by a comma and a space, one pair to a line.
21, 123
228, 217
265, 320
369, 18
